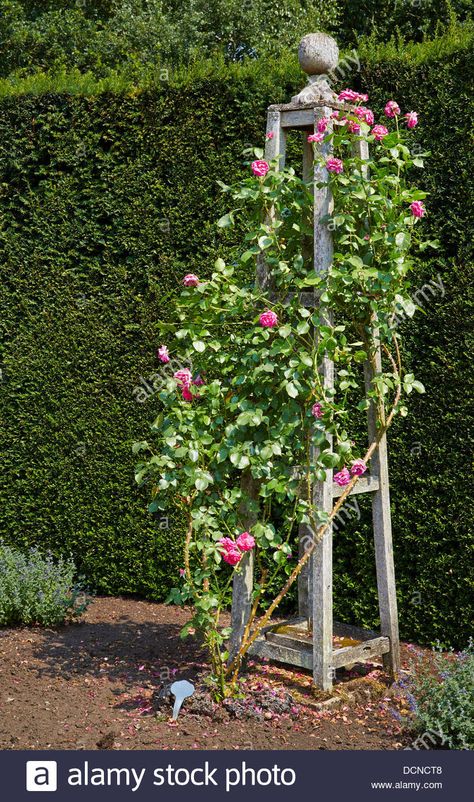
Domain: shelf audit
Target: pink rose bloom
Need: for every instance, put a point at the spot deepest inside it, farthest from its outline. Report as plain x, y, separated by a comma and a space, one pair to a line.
334, 165
358, 467
316, 137
230, 552
323, 124
317, 410
353, 127
352, 97
198, 381
186, 394
183, 377
412, 119
182, 572
270, 135
364, 114
417, 209
260, 168
268, 319
335, 115
232, 557
342, 478
392, 109
190, 280
379, 131
163, 354
245, 542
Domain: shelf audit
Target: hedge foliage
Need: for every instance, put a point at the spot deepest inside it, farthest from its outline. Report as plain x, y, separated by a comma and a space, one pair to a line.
106, 201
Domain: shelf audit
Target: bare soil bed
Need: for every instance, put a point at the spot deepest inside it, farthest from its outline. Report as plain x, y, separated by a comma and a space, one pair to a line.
96, 685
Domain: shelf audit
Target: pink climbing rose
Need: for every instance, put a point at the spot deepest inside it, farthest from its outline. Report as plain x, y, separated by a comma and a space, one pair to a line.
417, 209
163, 354
190, 280
364, 114
317, 410
183, 377
231, 554
245, 542
358, 467
342, 478
198, 381
270, 135
316, 137
392, 109
334, 165
412, 119
186, 394
379, 131
323, 124
268, 319
352, 97
353, 127
260, 168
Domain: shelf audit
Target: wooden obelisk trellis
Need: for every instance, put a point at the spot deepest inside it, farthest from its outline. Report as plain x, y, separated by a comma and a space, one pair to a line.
292, 643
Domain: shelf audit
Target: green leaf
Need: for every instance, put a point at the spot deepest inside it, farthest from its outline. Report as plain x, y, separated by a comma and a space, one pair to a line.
284, 331
291, 390
402, 240
198, 345
226, 220
302, 327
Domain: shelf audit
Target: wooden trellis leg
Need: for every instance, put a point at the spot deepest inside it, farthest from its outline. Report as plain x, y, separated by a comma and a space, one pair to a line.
382, 526
321, 562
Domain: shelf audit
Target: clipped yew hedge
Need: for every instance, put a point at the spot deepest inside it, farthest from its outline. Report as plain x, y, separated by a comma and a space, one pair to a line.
106, 201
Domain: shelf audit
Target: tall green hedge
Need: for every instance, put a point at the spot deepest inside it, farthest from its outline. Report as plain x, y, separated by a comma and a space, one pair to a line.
105, 201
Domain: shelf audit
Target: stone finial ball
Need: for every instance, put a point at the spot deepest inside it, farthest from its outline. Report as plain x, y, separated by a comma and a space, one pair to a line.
318, 53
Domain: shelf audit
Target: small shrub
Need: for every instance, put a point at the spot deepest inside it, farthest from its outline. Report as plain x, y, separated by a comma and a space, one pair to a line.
442, 699
35, 589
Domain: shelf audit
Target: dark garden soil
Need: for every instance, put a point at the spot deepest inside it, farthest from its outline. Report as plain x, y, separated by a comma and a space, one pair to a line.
96, 685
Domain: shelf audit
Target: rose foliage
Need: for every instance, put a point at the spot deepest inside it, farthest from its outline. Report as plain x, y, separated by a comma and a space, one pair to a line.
254, 406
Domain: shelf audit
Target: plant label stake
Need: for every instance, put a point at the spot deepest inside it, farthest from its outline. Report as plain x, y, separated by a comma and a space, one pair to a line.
180, 690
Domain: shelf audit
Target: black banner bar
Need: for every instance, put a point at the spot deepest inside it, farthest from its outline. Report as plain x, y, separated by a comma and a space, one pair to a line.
264, 776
